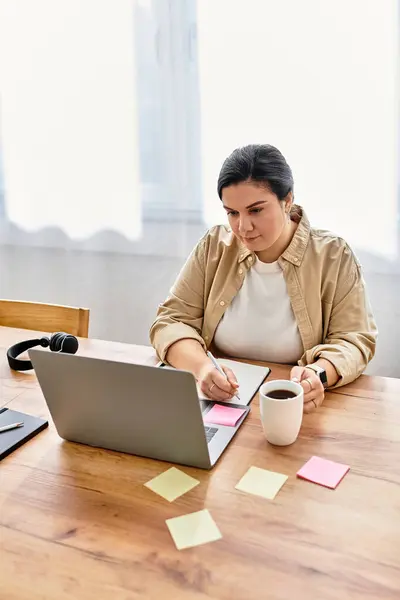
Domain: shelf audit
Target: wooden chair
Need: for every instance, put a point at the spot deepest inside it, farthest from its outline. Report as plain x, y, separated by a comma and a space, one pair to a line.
44, 317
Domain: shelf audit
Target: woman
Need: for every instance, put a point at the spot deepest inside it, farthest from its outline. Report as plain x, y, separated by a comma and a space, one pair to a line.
269, 288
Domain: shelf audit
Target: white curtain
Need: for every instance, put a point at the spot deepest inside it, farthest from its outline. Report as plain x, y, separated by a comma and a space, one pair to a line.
318, 80
68, 115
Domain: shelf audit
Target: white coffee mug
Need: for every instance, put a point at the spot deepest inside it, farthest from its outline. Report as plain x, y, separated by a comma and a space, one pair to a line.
281, 419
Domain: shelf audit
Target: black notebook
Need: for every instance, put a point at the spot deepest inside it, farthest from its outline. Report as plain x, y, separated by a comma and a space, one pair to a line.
14, 438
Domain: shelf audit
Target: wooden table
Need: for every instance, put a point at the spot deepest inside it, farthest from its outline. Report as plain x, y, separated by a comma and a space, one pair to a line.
77, 523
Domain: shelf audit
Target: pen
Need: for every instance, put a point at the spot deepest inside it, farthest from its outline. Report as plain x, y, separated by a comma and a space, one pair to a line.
218, 367
10, 426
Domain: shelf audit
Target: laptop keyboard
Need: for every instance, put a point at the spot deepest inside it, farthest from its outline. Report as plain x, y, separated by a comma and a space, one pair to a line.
210, 432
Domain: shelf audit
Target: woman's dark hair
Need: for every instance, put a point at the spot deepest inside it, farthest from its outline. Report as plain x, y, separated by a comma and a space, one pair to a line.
257, 163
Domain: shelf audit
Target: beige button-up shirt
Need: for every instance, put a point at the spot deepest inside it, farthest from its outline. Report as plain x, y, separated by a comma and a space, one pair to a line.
324, 283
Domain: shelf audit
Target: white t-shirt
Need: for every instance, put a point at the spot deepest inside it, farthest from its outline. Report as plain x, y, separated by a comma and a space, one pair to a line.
259, 324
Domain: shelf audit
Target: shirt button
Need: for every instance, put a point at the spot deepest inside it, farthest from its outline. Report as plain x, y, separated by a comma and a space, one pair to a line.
222, 303
240, 271
296, 260
250, 259
206, 337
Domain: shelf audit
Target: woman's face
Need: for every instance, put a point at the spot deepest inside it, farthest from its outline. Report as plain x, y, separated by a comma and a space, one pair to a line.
255, 214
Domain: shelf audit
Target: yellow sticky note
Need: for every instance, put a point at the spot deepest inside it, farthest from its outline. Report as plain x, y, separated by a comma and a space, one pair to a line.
193, 530
261, 482
171, 484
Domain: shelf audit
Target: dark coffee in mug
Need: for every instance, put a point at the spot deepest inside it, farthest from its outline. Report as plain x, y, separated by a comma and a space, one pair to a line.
281, 394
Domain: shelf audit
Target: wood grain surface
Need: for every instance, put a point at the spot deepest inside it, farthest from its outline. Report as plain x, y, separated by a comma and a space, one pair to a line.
77, 522
45, 317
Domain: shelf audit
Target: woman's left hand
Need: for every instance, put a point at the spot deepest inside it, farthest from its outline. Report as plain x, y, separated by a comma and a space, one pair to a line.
314, 392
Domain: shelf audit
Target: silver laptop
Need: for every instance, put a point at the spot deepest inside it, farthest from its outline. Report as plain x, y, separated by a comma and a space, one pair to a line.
131, 408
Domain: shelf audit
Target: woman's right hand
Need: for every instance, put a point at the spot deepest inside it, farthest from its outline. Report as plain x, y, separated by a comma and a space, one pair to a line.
214, 385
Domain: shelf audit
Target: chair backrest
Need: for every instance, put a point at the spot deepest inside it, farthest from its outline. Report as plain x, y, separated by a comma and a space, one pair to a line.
44, 317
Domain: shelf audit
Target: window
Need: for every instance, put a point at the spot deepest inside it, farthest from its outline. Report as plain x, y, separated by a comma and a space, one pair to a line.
319, 81
101, 135
167, 88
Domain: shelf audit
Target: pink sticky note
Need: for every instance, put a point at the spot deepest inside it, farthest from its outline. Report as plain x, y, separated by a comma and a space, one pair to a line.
324, 472
223, 415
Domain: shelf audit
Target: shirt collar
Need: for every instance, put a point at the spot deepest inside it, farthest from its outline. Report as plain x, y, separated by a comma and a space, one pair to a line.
294, 253
243, 252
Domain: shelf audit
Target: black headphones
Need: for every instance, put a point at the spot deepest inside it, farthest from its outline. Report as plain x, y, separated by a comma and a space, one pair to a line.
59, 342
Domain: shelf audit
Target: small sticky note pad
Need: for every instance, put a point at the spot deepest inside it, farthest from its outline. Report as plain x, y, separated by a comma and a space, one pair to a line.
193, 530
324, 472
171, 484
223, 415
261, 482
